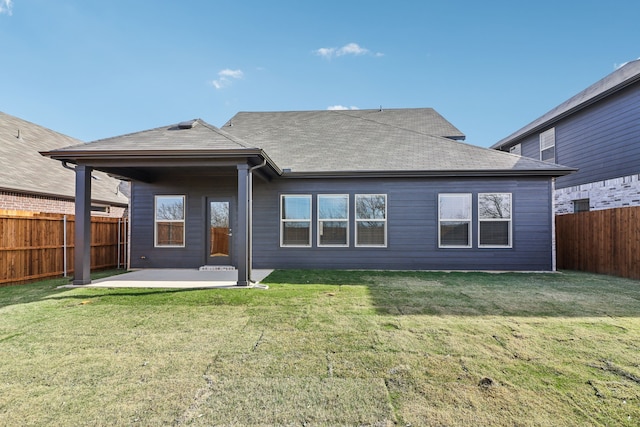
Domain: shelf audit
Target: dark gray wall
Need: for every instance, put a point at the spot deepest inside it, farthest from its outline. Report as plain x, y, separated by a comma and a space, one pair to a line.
412, 234
603, 140
196, 189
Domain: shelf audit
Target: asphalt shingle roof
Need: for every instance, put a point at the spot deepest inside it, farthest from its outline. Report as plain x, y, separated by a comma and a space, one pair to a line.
368, 141
323, 142
23, 169
190, 135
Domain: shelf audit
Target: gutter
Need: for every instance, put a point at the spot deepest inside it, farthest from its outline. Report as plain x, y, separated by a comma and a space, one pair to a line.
430, 174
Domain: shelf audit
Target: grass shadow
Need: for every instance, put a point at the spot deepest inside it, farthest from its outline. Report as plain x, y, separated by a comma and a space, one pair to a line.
564, 294
44, 289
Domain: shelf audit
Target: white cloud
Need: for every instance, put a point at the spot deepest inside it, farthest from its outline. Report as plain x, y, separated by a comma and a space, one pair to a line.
351, 49
225, 77
326, 52
348, 49
6, 6
341, 107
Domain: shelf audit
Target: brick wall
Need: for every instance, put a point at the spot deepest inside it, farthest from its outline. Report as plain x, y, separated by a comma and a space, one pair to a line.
611, 193
26, 202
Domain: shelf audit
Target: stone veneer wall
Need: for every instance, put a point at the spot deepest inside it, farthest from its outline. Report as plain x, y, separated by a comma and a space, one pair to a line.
10, 200
611, 193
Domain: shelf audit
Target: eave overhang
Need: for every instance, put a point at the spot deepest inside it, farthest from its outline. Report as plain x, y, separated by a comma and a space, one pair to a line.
116, 160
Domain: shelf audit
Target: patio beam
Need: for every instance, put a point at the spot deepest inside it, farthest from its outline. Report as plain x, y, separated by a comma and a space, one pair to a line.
242, 228
82, 253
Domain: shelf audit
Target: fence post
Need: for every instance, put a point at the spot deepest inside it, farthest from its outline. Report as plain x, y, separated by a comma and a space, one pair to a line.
118, 243
64, 244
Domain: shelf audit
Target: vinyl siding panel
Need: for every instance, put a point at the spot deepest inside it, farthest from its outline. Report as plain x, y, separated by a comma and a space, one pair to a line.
602, 140
196, 189
412, 224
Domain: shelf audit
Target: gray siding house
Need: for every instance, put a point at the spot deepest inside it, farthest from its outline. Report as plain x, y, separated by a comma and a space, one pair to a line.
597, 132
382, 189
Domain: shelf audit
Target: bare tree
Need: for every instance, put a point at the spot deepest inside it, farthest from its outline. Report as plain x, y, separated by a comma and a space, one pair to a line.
497, 205
219, 214
170, 209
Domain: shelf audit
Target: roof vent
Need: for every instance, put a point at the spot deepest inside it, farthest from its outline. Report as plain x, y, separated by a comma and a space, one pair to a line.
188, 124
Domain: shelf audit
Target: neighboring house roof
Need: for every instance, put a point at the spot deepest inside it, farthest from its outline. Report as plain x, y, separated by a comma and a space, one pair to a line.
321, 143
621, 78
24, 170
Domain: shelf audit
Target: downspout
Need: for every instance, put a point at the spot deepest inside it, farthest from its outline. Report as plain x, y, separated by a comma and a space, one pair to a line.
250, 225
554, 253
66, 166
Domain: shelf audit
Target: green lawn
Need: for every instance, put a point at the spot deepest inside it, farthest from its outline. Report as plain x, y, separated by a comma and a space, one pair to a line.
327, 348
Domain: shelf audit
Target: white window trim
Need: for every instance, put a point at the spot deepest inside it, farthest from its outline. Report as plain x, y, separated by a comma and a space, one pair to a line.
384, 221
282, 220
510, 245
470, 221
547, 141
320, 220
183, 220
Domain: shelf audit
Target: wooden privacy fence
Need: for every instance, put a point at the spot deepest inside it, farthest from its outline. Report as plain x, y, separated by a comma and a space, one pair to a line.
605, 241
36, 246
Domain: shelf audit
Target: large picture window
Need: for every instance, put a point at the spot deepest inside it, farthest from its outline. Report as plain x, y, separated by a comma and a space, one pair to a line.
494, 220
454, 217
169, 221
333, 220
295, 220
371, 220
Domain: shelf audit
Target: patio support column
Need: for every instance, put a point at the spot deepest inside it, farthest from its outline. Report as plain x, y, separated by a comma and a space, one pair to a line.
242, 228
82, 252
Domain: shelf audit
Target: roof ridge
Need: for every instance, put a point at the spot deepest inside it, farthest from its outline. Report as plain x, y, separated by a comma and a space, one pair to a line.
227, 135
394, 126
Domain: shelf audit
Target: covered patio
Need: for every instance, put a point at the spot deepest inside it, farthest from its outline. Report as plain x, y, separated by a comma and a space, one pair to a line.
194, 152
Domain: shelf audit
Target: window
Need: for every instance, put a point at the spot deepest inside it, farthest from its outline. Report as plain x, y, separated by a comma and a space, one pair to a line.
169, 219
516, 149
581, 205
494, 220
100, 209
295, 220
333, 220
548, 145
454, 220
371, 220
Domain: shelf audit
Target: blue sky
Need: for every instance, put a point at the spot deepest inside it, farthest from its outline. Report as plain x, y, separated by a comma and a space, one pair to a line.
94, 69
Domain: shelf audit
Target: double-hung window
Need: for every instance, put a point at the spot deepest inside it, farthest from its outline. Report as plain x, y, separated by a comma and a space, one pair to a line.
548, 145
371, 220
333, 220
494, 220
169, 221
295, 220
454, 217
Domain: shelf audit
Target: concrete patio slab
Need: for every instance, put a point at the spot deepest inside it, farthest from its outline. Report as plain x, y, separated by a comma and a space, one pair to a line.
177, 278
